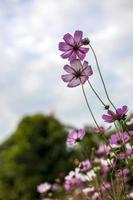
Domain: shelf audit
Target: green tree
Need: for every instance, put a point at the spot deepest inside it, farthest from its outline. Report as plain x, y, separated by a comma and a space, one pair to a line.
35, 153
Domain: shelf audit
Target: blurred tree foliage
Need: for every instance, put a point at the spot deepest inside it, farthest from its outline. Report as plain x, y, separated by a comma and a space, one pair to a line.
35, 153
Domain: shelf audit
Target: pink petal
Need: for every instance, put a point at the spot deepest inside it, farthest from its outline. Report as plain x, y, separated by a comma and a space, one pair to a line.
67, 77
73, 56
74, 82
68, 39
76, 65
107, 118
125, 109
64, 46
85, 64
70, 141
83, 79
66, 54
110, 112
81, 133
69, 69
87, 69
81, 55
73, 135
78, 36
84, 50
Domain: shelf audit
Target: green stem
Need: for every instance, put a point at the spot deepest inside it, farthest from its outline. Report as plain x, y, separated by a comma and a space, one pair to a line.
89, 108
98, 67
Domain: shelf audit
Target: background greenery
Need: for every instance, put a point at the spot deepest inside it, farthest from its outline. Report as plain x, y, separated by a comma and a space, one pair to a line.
36, 152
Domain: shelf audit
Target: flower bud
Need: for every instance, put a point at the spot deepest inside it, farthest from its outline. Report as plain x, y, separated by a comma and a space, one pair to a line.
106, 107
86, 41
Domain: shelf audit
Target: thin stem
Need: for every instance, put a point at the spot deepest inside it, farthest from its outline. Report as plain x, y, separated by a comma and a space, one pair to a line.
105, 89
89, 106
96, 94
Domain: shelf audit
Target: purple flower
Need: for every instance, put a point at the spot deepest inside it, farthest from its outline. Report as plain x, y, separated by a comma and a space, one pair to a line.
119, 138
77, 73
85, 165
75, 136
103, 149
100, 130
123, 156
118, 115
72, 47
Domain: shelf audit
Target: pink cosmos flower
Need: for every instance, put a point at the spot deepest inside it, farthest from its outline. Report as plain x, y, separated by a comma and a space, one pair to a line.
75, 136
103, 149
72, 179
43, 187
85, 165
100, 130
119, 138
118, 115
130, 133
124, 155
77, 73
122, 173
72, 46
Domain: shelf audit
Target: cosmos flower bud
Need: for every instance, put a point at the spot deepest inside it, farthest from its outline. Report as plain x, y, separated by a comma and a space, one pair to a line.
86, 41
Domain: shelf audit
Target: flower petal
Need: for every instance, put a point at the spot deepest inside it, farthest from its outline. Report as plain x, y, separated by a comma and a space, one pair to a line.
107, 118
83, 79
74, 135
81, 133
87, 70
78, 36
68, 39
69, 69
67, 77
125, 109
73, 56
74, 82
76, 65
66, 54
70, 141
80, 54
84, 50
63, 46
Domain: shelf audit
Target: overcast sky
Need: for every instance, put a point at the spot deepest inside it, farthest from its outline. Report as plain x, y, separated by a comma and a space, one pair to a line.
30, 63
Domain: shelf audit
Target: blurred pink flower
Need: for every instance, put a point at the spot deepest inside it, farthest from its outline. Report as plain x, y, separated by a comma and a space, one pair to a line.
43, 187
118, 115
105, 186
122, 173
70, 183
72, 46
85, 165
130, 122
124, 155
103, 149
75, 136
101, 129
77, 73
119, 138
